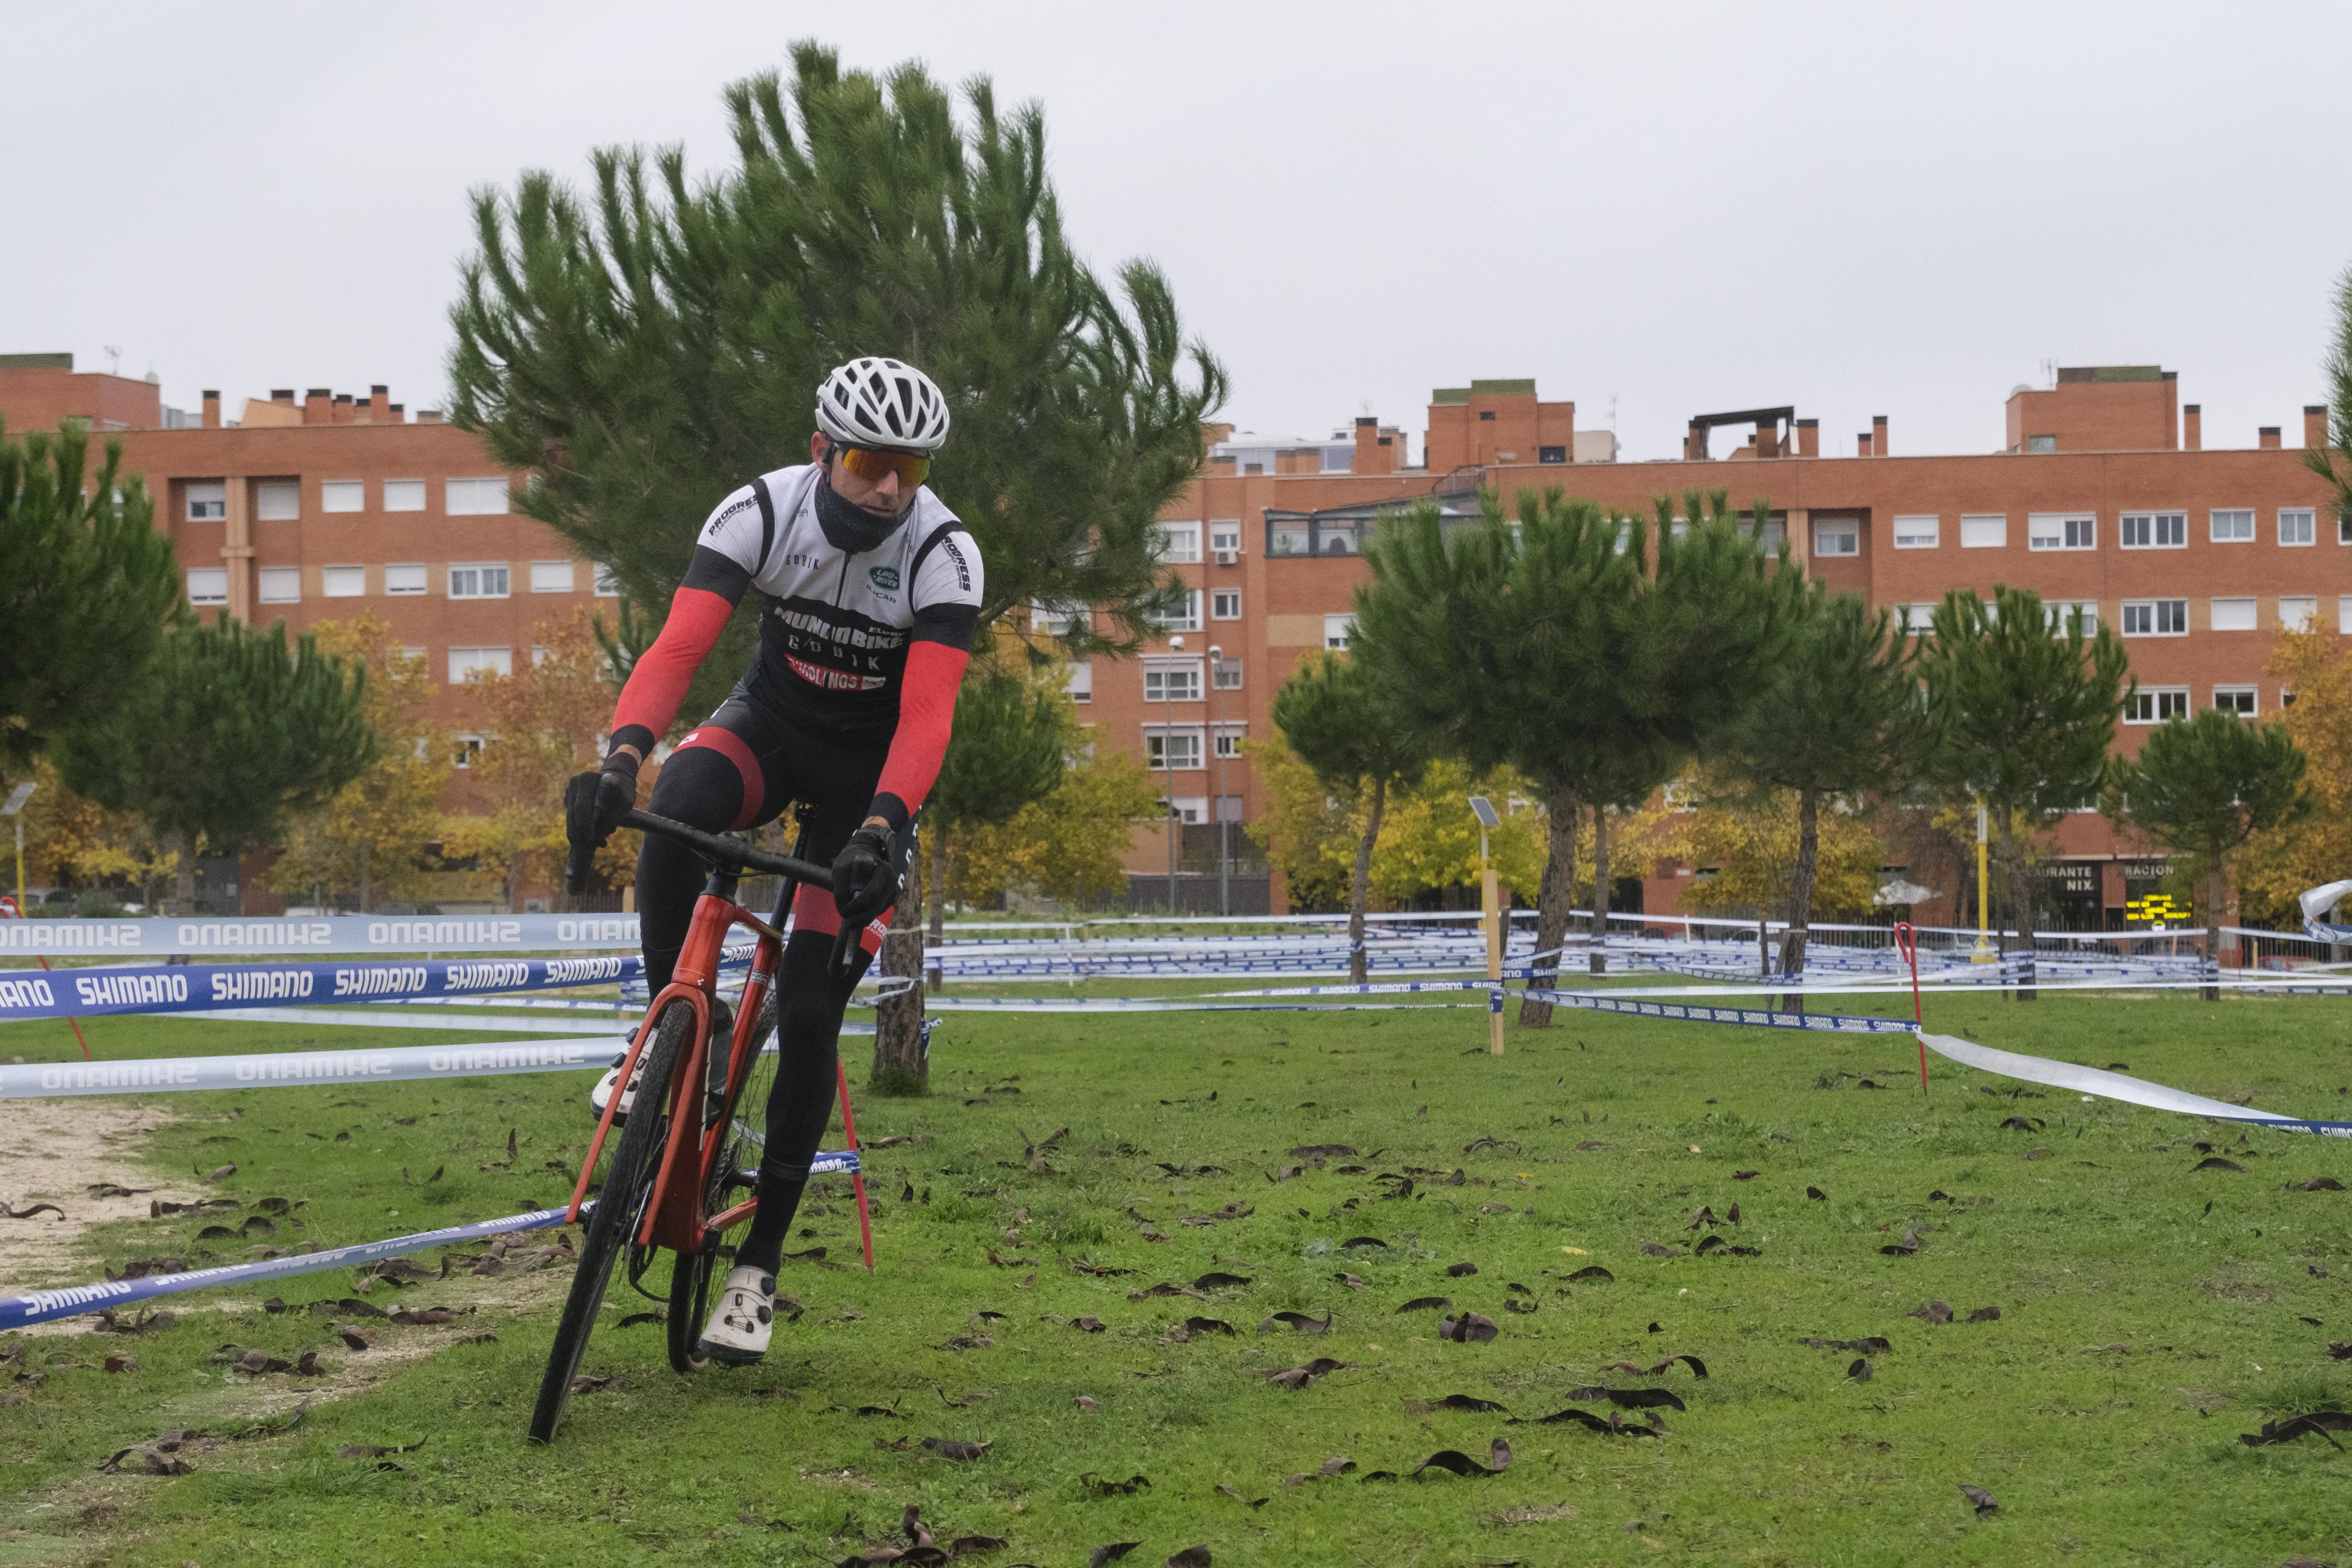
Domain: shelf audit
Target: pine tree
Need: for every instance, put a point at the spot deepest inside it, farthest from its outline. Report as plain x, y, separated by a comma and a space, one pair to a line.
221, 738
1834, 717
87, 588
1338, 721
1552, 647
2020, 713
653, 346
2203, 787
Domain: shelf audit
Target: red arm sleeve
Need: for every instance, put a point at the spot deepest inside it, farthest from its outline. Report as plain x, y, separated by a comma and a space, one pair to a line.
658, 681
926, 717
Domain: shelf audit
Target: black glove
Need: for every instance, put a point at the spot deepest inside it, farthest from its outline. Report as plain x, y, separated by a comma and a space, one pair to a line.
593, 804
865, 874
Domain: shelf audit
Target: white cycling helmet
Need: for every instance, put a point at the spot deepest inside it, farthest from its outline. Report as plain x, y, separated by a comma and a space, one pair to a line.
875, 402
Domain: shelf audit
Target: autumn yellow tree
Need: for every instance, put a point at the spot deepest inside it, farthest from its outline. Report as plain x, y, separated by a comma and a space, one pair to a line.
2279, 865
539, 727
1067, 847
1747, 845
366, 840
72, 842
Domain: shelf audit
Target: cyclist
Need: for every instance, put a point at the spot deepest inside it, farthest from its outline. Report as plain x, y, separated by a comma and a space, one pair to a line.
872, 589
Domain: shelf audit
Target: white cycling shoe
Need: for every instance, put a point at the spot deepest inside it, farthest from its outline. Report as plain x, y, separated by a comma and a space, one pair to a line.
601, 1095
738, 1330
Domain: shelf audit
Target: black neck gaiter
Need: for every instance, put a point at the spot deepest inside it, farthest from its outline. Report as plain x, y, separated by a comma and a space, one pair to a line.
848, 527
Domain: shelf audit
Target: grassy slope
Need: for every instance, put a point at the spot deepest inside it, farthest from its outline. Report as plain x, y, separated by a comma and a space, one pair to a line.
2110, 1457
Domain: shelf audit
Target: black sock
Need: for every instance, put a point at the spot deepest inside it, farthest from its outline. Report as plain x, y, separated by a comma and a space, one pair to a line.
780, 1199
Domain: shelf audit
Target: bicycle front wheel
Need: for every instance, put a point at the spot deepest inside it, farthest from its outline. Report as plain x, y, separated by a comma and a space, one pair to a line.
733, 1175
620, 1206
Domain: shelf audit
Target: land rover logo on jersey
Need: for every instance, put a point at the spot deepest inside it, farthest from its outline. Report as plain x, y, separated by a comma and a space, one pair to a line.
884, 578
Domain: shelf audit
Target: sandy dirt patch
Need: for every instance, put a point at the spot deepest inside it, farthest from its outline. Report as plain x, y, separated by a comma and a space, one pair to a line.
55, 1151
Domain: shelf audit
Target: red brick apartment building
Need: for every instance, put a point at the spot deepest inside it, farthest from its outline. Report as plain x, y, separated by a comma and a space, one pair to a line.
2103, 496
323, 508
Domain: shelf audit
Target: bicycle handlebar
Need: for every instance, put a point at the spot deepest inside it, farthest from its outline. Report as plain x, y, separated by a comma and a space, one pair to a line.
709, 846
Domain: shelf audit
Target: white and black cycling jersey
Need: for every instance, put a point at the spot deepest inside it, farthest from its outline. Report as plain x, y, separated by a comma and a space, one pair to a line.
835, 628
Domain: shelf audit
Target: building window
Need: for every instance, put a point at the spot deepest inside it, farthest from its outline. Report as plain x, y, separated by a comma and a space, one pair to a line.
1840, 536
2155, 704
1226, 536
1986, 531
607, 586
1229, 738
1228, 676
1171, 679
474, 497
1915, 532
2234, 614
207, 500
2234, 527
1225, 605
342, 582
2154, 530
467, 661
2344, 528
209, 586
1186, 808
2299, 613
468, 749
2041, 443
404, 495
551, 576
404, 579
342, 494
2061, 531
1081, 686
1178, 543
2238, 699
281, 585
1164, 748
479, 580
2298, 525
1552, 454
1186, 616
277, 501
1048, 622
1919, 618
1296, 539
1337, 630
2156, 618
2061, 614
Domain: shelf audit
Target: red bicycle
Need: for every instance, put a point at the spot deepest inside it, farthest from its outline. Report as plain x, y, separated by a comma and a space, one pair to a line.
690, 1196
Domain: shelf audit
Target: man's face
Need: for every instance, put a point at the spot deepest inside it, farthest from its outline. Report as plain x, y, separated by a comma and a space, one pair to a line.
883, 498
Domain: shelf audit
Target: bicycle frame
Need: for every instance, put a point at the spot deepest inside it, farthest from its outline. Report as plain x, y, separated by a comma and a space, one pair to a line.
673, 1217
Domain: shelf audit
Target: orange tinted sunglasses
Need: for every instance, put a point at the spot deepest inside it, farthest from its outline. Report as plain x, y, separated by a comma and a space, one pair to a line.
874, 464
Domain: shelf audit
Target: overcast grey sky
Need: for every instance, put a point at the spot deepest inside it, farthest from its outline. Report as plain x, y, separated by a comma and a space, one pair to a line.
1859, 209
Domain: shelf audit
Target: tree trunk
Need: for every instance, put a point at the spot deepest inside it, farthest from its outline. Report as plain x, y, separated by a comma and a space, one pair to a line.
1801, 894
2213, 930
1600, 964
936, 879
183, 893
2021, 895
1552, 901
1359, 883
901, 1064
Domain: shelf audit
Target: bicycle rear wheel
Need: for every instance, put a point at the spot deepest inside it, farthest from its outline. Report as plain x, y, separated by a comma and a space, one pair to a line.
733, 1175
620, 1206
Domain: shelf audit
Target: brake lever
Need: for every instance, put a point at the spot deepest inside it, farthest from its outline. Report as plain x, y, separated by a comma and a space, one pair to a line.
843, 964
578, 861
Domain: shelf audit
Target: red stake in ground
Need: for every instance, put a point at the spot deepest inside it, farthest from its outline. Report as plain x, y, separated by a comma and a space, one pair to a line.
1907, 942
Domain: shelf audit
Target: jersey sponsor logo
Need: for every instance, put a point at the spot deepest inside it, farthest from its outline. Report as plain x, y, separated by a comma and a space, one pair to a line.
735, 509
836, 680
963, 571
884, 577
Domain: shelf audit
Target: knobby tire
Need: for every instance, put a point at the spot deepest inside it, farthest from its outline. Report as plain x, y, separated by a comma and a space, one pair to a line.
619, 1206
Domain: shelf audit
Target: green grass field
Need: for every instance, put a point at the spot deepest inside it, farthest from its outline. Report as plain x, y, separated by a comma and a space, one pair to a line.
2149, 1312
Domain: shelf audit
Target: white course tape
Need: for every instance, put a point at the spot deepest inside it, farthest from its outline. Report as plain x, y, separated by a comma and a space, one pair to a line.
74, 1300
263, 1070
2117, 1085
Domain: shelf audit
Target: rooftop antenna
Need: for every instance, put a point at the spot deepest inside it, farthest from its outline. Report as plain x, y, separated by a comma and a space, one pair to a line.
114, 360
2050, 370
